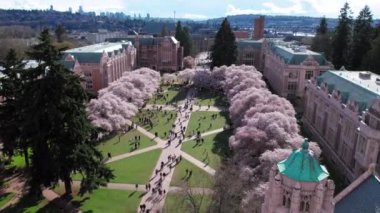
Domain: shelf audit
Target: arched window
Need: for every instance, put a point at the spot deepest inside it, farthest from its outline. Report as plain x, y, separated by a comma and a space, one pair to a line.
286, 198
305, 203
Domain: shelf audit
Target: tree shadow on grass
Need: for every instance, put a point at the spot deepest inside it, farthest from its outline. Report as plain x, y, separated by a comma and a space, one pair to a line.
29, 201
220, 146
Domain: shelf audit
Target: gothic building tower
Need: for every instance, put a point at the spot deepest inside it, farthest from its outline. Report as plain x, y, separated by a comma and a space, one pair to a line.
299, 184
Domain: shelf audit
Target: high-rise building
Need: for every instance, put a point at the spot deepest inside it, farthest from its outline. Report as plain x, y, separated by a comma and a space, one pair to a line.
258, 31
51, 8
80, 9
70, 10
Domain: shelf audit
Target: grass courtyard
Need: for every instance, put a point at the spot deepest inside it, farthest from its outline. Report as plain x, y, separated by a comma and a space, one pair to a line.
212, 98
199, 178
31, 204
169, 95
203, 122
126, 143
179, 203
5, 198
135, 169
104, 200
162, 121
212, 151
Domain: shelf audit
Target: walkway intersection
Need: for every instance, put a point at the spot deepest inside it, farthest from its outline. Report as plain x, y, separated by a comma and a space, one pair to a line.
171, 155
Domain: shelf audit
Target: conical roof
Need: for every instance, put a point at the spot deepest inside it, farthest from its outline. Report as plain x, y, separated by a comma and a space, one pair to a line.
303, 166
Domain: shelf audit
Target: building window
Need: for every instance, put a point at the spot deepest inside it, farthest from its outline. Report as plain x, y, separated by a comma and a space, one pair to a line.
286, 199
362, 144
292, 86
305, 203
293, 75
308, 74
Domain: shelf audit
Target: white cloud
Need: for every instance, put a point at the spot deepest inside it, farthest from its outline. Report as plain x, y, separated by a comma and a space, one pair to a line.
269, 8
194, 16
331, 8
232, 10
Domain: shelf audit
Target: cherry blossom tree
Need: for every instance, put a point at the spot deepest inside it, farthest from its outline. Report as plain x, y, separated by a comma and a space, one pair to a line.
189, 62
120, 101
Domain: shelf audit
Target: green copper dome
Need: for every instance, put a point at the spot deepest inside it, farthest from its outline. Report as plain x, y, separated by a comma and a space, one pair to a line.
303, 166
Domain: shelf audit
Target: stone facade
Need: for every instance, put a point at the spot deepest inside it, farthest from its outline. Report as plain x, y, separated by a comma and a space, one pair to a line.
342, 111
158, 53
288, 193
102, 63
287, 67
249, 52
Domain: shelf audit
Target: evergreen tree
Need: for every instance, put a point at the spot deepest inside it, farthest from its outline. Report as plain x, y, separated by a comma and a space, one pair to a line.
322, 28
56, 124
182, 35
164, 31
322, 41
60, 33
11, 90
224, 50
371, 61
342, 38
362, 37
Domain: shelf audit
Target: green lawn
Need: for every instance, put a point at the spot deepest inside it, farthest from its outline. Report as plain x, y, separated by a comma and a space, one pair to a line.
162, 121
180, 203
29, 204
104, 200
135, 169
212, 151
170, 95
125, 145
5, 198
201, 121
212, 98
199, 178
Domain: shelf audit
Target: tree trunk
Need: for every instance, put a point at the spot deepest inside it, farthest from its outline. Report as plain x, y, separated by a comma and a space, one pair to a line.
67, 183
26, 157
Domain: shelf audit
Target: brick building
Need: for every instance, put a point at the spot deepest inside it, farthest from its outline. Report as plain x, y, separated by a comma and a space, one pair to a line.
342, 111
101, 63
258, 30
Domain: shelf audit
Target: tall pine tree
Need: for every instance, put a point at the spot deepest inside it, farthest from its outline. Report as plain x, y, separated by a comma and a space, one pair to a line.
56, 124
224, 50
321, 41
11, 108
362, 37
183, 36
342, 38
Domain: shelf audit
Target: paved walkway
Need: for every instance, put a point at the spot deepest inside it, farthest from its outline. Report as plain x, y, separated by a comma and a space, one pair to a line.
205, 134
198, 163
152, 199
130, 154
205, 191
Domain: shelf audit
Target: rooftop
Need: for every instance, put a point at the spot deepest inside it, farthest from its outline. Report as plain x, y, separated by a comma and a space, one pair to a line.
100, 47
364, 198
243, 43
295, 54
352, 87
303, 166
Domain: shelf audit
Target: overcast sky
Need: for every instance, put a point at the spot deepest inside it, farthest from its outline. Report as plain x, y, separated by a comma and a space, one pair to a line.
202, 8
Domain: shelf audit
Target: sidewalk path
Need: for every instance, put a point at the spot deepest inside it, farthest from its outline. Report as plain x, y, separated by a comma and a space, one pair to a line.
205, 134
205, 191
198, 163
153, 200
130, 154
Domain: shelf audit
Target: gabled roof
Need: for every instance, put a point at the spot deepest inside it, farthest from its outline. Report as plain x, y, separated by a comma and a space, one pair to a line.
244, 43
86, 57
364, 198
303, 166
68, 64
351, 87
291, 56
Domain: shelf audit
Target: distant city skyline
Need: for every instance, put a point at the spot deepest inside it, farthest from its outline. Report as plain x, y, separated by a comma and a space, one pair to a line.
198, 9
